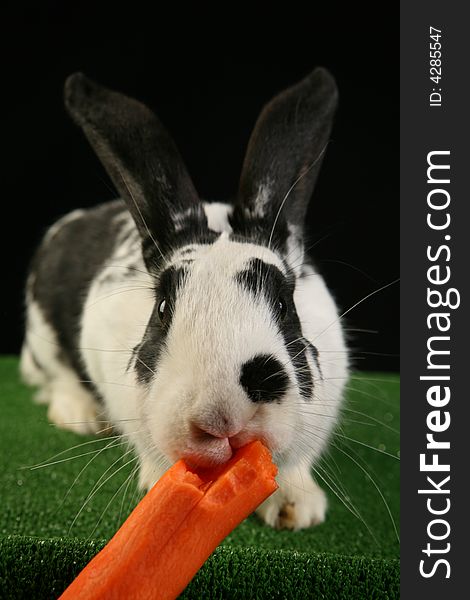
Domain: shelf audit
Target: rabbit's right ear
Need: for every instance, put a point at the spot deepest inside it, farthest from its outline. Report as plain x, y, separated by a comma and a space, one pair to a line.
141, 159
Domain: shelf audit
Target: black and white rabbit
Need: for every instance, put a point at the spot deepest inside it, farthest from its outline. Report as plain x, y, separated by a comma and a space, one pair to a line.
193, 327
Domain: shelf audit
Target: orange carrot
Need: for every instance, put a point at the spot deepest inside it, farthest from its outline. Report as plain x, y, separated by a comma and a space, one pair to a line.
175, 528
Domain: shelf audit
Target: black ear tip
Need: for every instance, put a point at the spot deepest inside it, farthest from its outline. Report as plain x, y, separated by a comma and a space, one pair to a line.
76, 83
77, 89
322, 79
322, 73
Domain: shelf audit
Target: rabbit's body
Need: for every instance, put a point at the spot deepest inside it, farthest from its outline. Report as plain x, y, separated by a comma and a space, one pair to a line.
191, 341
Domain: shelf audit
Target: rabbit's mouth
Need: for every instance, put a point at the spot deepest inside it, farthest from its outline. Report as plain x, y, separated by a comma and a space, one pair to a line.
209, 454
207, 449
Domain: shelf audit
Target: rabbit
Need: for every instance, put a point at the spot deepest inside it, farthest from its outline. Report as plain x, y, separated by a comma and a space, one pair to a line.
194, 327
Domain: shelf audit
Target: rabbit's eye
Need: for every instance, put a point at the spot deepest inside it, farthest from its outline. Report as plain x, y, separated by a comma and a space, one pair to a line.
162, 310
281, 308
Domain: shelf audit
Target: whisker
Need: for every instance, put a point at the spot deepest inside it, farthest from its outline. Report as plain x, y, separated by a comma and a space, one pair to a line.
96, 488
112, 497
368, 446
346, 264
67, 459
350, 388
352, 509
376, 487
391, 380
387, 285
57, 345
116, 292
69, 450
108, 446
299, 178
139, 211
145, 365
130, 480
359, 330
127, 268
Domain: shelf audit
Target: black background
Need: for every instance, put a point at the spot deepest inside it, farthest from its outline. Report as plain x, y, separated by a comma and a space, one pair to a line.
207, 75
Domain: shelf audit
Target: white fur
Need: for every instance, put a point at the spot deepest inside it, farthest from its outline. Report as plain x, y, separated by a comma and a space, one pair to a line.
295, 249
300, 496
117, 309
71, 406
258, 205
217, 214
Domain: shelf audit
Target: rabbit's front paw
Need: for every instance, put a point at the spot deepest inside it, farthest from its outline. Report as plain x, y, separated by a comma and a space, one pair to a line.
298, 503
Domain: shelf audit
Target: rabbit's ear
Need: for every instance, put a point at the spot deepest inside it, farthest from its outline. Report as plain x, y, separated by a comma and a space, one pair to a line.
139, 156
284, 155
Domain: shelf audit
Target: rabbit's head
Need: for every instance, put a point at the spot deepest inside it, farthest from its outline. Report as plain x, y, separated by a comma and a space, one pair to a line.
223, 359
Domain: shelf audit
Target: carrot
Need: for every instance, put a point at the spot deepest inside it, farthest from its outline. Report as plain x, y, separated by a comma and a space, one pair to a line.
175, 528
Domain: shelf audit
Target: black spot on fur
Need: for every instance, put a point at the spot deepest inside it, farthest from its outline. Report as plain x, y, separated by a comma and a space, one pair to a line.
292, 333
191, 233
149, 350
255, 230
194, 232
264, 280
264, 379
315, 355
147, 353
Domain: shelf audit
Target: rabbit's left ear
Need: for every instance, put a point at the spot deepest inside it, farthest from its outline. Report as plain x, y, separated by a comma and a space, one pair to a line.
141, 159
284, 156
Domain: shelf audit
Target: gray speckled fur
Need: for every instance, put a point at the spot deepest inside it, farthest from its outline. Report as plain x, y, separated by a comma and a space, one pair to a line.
69, 258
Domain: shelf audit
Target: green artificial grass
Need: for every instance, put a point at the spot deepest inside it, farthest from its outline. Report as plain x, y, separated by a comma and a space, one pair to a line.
44, 544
